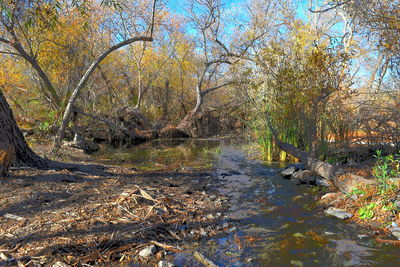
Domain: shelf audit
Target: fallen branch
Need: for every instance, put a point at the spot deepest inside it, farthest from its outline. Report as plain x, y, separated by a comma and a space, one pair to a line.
14, 217
166, 247
324, 169
201, 258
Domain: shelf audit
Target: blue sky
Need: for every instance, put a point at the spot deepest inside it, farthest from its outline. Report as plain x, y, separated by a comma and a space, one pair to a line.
178, 6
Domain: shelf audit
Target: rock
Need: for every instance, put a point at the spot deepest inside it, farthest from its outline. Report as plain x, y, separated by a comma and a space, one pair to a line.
329, 195
362, 236
60, 264
396, 232
347, 182
354, 197
306, 176
212, 197
166, 264
147, 252
330, 198
329, 233
338, 213
286, 173
322, 182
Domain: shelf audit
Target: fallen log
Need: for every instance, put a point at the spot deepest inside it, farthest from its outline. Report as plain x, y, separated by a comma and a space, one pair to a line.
345, 182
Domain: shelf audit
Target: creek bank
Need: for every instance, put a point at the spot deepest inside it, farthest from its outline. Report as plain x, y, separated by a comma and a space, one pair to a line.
106, 214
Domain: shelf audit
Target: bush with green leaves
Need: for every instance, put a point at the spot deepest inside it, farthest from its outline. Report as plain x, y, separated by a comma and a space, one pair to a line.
385, 170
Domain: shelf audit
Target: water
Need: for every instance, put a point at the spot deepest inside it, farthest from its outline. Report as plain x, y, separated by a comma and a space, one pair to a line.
280, 224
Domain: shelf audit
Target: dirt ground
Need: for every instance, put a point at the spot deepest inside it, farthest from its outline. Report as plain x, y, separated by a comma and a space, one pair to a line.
84, 214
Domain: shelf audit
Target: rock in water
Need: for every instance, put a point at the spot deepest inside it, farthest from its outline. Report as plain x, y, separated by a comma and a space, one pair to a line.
338, 213
147, 252
286, 173
306, 176
7, 157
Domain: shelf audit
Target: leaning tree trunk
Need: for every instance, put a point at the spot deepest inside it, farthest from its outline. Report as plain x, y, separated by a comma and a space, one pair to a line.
11, 134
345, 182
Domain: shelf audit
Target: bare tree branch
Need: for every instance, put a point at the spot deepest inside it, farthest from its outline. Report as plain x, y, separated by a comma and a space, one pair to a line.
330, 8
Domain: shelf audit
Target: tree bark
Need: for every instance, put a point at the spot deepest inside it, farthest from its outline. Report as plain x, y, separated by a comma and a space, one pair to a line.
11, 134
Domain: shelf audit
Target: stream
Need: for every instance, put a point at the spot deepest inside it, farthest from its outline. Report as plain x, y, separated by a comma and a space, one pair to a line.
279, 222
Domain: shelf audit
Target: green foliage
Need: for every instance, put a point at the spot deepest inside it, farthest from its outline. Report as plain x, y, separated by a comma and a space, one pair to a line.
357, 192
300, 83
367, 212
385, 169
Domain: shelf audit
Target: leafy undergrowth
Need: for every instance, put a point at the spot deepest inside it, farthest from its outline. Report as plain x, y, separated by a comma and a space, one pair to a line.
377, 205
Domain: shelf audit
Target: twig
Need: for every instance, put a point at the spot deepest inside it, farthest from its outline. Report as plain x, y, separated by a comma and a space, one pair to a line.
174, 235
126, 210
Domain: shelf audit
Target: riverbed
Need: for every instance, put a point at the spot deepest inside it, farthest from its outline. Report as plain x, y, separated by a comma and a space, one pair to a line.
276, 223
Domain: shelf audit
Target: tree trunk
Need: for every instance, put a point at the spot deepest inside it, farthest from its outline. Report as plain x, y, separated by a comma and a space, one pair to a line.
83, 81
11, 134
345, 182
186, 124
